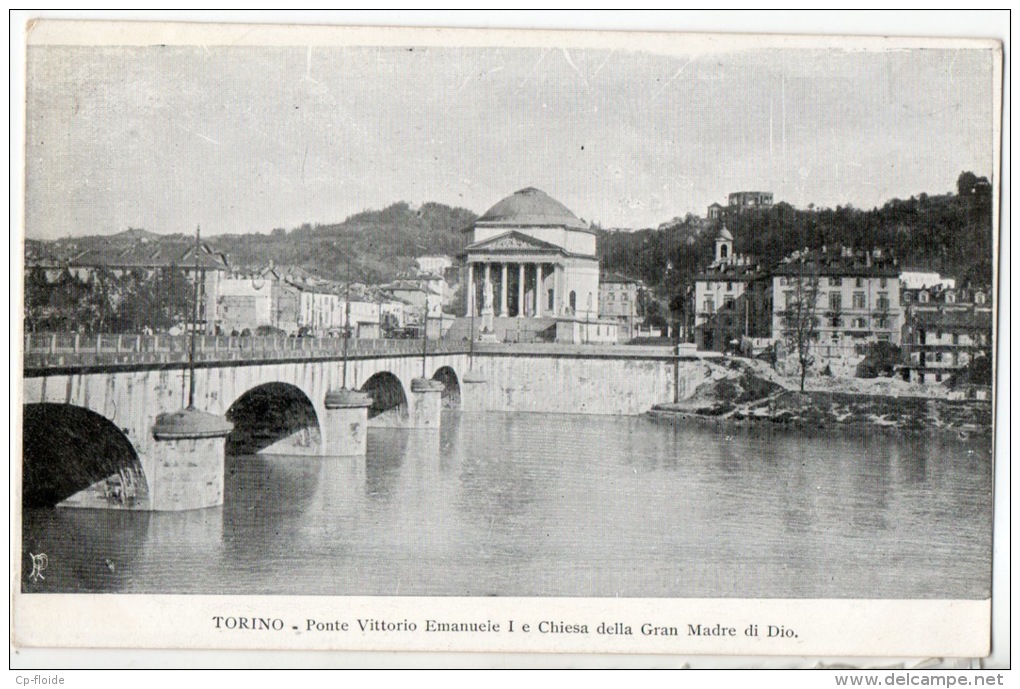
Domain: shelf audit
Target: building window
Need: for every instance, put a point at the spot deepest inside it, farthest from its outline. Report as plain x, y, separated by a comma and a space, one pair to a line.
782, 282
858, 300
883, 282
836, 322
956, 338
552, 303
836, 282
729, 286
612, 297
859, 282
728, 302
883, 302
884, 337
709, 305
835, 301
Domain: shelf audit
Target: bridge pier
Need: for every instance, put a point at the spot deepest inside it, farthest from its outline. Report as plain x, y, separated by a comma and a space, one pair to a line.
345, 426
472, 389
184, 464
427, 404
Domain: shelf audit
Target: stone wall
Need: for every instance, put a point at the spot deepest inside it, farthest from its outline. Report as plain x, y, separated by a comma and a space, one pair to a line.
578, 384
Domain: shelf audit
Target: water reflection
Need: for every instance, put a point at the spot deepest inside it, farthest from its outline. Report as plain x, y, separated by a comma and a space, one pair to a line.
93, 551
561, 506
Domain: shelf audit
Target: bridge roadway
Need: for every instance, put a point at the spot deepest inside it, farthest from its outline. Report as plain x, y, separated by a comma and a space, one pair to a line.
92, 408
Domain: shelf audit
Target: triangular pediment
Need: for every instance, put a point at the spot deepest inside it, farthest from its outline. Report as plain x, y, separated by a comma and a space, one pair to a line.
513, 241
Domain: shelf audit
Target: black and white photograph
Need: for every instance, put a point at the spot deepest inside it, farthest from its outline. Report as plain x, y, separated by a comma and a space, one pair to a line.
401, 315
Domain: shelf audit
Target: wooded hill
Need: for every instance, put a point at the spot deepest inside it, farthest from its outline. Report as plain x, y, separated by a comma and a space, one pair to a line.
950, 233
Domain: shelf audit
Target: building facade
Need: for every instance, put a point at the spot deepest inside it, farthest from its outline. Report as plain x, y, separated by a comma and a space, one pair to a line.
530, 257
856, 301
749, 200
433, 265
322, 311
618, 301
146, 257
732, 299
945, 330
247, 302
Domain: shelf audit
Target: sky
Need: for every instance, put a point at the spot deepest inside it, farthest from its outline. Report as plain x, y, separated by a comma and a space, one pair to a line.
247, 139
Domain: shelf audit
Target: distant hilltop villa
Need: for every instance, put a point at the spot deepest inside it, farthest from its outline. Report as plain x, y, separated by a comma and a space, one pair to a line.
740, 202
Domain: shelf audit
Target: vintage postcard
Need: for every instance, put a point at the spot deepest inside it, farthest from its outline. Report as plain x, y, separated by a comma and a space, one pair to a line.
506, 341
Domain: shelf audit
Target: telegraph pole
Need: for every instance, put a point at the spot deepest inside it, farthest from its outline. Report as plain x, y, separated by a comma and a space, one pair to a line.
194, 325
425, 334
347, 319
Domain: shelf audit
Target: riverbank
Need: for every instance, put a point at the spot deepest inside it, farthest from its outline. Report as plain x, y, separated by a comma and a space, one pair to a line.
743, 395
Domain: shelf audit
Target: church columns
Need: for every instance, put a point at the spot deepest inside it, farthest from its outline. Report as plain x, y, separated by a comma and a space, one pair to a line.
502, 292
487, 286
556, 291
550, 289
538, 290
520, 290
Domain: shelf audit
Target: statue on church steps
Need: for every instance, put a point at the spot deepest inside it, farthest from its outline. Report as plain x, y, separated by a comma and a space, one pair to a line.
487, 308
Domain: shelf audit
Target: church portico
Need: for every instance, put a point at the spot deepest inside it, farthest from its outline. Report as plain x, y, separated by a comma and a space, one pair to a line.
507, 288
530, 257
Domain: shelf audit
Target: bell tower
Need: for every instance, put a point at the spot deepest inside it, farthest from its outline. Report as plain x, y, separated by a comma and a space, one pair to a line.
723, 246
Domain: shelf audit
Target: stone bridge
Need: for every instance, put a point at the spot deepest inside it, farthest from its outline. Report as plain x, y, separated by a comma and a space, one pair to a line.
106, 428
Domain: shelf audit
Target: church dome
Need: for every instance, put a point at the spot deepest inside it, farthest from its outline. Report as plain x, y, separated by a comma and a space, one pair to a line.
531, 207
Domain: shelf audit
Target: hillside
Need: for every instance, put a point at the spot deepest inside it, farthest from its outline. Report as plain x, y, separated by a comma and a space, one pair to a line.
949, 233
381, 243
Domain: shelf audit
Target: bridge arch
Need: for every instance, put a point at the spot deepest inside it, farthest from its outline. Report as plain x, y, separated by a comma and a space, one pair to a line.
273, 418
451, 392
74, 457
389, 399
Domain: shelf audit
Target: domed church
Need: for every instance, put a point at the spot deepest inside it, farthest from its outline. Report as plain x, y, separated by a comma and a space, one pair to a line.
530, 257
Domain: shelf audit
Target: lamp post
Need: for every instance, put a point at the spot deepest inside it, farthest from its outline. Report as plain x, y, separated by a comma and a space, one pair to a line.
347, 320
194, 325
425, 335
471, 342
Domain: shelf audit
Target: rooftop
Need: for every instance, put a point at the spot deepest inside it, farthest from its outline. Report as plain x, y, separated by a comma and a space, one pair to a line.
839, 261
616, 277
144, 254
530, 207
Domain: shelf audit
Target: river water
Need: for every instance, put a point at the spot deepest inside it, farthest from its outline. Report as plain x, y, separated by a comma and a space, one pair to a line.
569, 505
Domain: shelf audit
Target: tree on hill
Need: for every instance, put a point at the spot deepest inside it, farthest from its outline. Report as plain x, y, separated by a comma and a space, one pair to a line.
949, 233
